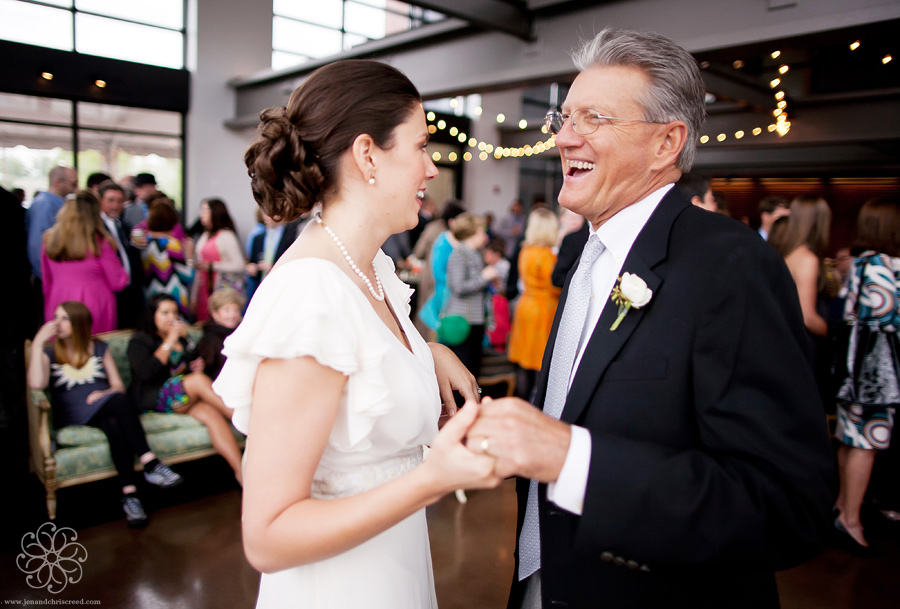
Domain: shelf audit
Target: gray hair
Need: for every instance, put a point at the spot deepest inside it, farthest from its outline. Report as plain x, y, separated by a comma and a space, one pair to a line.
676, 91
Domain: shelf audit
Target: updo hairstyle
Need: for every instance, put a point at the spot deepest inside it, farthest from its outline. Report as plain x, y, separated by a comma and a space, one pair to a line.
294, 161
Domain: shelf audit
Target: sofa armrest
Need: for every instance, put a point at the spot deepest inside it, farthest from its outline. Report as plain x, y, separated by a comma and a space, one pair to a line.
38, 406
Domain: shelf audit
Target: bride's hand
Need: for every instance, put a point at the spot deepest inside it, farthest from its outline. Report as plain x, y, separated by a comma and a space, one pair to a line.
452, 374
454, 466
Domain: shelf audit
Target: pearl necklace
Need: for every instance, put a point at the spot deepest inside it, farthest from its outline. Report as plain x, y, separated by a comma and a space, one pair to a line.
379, 295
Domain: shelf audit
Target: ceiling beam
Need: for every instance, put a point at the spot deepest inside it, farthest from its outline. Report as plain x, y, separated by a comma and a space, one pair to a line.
508, 17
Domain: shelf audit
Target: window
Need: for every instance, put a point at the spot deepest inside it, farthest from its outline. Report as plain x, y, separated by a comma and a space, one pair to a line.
143, 31
37, 133
302, 31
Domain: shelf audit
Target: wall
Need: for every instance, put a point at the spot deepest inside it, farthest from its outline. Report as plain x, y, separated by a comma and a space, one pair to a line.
491, 185
230, 39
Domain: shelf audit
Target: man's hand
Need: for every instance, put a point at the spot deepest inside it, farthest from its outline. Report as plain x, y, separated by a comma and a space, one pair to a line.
524, 440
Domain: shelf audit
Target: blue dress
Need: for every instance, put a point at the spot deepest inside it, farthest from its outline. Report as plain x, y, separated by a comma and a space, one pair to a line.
430, 312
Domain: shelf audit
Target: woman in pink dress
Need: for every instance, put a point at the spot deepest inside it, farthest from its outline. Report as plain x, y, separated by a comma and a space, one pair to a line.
79, 261
219, 256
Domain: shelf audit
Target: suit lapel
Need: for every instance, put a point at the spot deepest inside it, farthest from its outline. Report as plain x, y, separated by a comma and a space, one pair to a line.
649, 250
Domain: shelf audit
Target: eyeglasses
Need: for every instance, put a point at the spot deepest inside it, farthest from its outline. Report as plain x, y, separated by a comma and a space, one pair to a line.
584, 121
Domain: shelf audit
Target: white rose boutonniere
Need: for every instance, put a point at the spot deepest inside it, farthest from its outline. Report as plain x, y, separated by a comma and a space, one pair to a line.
630, 291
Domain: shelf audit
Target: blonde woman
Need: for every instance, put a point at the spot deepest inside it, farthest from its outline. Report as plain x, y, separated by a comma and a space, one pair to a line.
80, 261
534, 313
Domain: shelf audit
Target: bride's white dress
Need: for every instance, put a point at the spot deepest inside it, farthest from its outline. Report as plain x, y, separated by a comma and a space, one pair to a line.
388, 411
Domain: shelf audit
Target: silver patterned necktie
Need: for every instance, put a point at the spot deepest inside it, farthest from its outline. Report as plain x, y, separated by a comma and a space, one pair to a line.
565, 348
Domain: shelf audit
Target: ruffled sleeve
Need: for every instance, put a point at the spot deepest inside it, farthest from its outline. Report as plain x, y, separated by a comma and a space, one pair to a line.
308, 307
398, 290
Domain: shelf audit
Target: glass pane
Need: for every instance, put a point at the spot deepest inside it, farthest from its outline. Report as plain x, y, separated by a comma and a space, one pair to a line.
394, 23
38, 25
129, 41
167, 13
37, 109
129, 119
282, 60
352, 40
123, 154
29, 152
365, 20
323, 12
304, 39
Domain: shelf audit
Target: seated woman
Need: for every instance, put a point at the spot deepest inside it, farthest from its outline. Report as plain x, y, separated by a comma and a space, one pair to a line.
159, 354
225, 307
86, 389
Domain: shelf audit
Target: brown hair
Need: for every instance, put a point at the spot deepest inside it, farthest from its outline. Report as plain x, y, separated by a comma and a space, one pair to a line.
809, 224
81, 320
79, 230
294, 161
219, 218
878, 226
162, 216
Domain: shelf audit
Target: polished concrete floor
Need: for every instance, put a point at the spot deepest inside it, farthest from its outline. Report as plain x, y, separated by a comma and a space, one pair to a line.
190, 557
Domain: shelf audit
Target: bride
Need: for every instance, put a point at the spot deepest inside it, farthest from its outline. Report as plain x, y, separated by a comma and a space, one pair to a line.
327, 375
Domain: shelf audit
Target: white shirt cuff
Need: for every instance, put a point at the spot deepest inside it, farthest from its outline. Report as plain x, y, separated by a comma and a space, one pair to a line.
569, 489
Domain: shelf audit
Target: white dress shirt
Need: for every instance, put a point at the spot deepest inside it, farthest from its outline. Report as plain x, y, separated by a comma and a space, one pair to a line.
617, 234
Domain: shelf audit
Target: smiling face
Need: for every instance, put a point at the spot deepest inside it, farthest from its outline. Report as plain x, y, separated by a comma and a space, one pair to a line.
228, 315
404, 169
622, 161
112, 202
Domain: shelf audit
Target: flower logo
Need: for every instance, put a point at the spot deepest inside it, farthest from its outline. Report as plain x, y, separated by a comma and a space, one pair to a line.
630, 292
51, 558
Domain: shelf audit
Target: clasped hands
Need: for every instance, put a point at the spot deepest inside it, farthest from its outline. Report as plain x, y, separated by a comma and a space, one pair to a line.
520, 439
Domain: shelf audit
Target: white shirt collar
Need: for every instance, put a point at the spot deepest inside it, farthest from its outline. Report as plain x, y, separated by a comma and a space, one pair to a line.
619, 233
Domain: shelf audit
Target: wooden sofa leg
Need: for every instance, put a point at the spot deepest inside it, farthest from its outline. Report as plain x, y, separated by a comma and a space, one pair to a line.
51, 485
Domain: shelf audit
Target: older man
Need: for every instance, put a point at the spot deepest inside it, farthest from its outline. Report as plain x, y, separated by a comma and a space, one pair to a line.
681, 455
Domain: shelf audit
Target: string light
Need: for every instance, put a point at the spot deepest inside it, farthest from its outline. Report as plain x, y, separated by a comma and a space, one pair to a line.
47, 75
101, 84
886, 59
737, 64
783, 69
774, 82
776, 54
854, 45
501, 118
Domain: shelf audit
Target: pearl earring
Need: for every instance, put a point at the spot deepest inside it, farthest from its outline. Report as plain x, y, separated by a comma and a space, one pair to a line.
372, 180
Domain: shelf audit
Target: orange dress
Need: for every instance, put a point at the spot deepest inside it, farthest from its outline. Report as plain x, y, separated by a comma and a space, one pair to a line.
534, 313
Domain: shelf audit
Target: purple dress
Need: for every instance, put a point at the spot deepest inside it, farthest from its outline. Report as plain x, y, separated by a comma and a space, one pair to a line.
93, 281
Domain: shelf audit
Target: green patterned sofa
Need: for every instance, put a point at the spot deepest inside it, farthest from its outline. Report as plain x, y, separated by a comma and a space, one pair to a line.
77, 454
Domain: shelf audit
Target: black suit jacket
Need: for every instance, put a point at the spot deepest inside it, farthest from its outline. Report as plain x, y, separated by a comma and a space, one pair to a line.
288, 236
569, 253
710, 464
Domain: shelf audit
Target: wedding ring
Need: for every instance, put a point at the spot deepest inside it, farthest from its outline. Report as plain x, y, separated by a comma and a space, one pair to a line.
485, 445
